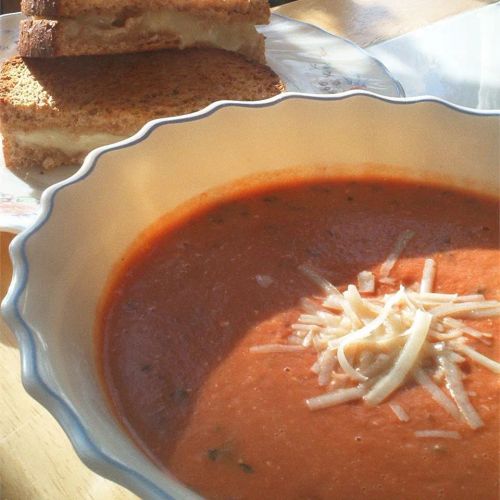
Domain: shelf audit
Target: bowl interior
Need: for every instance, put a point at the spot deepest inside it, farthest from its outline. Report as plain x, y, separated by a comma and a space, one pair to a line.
94, 218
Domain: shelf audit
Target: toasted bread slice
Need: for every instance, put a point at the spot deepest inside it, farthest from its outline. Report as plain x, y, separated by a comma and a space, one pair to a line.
75, 27
252, 11
54, 111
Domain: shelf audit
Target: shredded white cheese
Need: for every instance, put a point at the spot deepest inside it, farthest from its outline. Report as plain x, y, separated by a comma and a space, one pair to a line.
406, 361
475, 297
398, 248
437, 394
428, 275
335, 398
483, 313
369, 346
455, 386
438, 434
463, 308
319, 280
461, 327
492, 365
399, 411
387, 281
264, 280
366, 282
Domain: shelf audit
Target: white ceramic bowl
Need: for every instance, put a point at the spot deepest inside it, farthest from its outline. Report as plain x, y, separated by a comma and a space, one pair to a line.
87, 222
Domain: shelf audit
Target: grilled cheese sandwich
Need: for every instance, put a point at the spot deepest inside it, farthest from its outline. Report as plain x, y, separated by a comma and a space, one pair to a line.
143, 27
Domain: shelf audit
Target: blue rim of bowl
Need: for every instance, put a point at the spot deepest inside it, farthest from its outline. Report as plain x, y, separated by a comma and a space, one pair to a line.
89, 451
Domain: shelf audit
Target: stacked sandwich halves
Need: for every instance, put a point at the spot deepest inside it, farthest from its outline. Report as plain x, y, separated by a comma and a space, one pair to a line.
91, 72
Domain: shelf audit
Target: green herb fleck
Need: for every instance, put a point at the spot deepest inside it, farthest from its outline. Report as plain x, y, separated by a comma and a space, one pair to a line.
216, 219
247, 469
270, 199
179, 395
439, 448
213, 454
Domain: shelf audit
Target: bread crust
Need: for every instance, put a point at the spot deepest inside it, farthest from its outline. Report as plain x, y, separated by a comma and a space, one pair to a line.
118, 94
254, 11
52, 38
38, 38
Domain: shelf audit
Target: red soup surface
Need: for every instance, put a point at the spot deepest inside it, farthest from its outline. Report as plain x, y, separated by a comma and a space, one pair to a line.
188, 303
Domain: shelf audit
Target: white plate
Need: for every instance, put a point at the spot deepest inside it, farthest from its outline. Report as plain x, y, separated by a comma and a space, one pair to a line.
307, 58
456, 59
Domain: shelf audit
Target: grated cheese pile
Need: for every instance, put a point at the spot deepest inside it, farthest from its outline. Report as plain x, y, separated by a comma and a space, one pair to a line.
368, 347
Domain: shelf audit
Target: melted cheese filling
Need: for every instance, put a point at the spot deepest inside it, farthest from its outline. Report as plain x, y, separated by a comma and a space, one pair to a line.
53, 138
189, 29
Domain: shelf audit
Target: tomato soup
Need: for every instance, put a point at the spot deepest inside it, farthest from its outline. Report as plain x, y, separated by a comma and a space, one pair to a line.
188, 305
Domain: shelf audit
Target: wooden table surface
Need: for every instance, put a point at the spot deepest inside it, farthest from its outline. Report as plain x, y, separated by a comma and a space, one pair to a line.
36, 458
